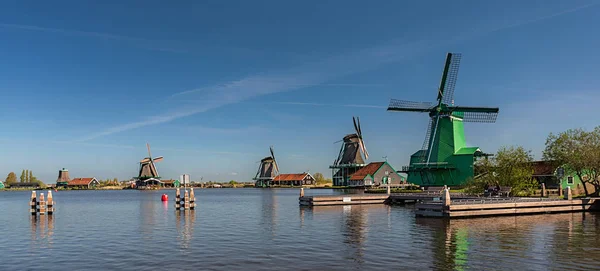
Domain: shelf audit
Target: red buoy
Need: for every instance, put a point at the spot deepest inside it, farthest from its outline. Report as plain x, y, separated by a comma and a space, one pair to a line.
164, 197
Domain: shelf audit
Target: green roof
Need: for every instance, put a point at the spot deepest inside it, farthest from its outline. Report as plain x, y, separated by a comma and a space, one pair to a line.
467, 150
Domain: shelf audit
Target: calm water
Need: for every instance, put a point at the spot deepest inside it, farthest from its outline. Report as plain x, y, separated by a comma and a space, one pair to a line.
254, 229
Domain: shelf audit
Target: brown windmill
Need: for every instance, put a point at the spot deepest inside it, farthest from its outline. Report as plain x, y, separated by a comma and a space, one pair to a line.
350, 159
148, 170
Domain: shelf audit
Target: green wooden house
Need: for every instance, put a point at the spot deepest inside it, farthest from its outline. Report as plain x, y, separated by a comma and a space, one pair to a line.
2, 185
554, 177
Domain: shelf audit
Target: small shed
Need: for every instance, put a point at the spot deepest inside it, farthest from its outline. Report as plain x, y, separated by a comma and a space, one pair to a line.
2, 185
376, 174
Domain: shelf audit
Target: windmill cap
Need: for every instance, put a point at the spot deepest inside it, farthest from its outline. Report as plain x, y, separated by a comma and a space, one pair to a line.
64, 169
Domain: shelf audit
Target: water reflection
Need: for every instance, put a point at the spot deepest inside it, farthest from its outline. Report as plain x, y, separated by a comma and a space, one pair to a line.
42, 229
354, 222
269, 211
457, 243
185, 227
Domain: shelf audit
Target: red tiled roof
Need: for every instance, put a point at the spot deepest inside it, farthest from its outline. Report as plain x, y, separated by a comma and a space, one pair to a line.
368, 169
290, 177
80, 181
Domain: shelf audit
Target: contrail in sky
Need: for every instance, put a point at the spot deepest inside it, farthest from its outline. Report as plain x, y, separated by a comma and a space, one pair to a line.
310, 74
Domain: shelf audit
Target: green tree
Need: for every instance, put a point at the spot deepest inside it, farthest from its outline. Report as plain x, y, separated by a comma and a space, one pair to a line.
318, 177
22, 177
30, 176
11, 178
511, 166
578, 151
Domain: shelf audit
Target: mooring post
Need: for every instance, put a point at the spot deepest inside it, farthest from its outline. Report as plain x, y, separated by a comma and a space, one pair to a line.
447, 199
33, 203
177, 199
543, 190
560, 190
302, 192
50, 203
186, 200
389, 191
192, 199
569, 194
42, 204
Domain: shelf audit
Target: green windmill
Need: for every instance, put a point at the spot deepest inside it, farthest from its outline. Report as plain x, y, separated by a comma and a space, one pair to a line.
444, 158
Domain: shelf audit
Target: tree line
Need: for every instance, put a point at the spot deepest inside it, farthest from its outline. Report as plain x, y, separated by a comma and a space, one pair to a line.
26, 177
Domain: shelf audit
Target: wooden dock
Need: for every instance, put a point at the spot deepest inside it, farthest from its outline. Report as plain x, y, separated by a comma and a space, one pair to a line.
342, 200
448, 207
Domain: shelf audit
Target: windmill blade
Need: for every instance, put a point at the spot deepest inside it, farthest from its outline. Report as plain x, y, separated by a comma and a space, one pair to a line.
427, 135
145, 160
274, 161
449, 76
364, 148
359, 128
355, 126
473, 109
402, 105
338, 141
485, 117
157, 159
149, 154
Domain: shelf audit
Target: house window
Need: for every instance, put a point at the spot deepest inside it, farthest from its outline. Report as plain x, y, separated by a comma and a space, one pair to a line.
570, 180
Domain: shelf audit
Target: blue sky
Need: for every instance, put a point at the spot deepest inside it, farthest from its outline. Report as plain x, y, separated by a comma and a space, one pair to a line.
211, 84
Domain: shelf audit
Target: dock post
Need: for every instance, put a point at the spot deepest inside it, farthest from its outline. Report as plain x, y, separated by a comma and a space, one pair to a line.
42, 205
560, 190
543, 190
186, 200
447, 199
302, 192
177, 199
33, 203
569, 194
389, 192
50, 203
192, 199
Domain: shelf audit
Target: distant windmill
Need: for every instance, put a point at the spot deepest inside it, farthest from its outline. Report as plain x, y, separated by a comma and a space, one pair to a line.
444, 158
350, 158
267, 170
148, 168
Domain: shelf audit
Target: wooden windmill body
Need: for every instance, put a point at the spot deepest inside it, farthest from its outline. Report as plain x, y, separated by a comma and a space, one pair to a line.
267, 171
148, 174
350, 158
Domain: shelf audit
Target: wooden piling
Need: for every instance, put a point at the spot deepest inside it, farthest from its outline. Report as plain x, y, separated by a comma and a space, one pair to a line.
560, 190
177, 199
50, 203
33, 203
447, 199
569, 194
302, 192
543, 190
388, 189
186, 200
41, 205
192, 199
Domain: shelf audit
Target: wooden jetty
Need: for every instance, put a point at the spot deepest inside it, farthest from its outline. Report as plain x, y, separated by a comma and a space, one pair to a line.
389, 198
448, 207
